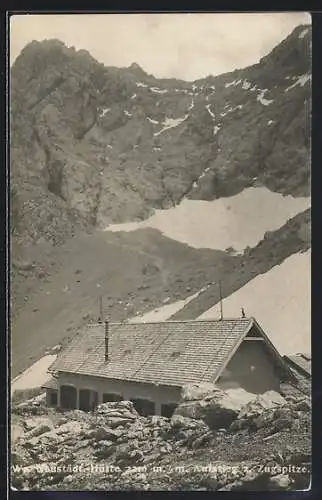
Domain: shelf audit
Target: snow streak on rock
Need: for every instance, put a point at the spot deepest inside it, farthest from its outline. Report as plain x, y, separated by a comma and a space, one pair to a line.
262, 99
191, 105
209, 111
301, 80
104, 112
303, 33
158, 91
152, 121
246, 85
171, 123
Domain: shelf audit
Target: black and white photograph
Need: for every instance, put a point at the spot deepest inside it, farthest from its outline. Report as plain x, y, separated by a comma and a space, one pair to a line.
160, 251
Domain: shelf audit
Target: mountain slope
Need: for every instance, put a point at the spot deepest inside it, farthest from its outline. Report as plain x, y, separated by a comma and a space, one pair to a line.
94, 145
111, 144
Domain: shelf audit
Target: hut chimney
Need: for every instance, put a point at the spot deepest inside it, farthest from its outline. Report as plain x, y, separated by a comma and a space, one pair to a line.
106, 340
221, 305
100, 318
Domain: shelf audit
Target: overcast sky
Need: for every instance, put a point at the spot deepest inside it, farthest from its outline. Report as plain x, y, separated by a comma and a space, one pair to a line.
187, 46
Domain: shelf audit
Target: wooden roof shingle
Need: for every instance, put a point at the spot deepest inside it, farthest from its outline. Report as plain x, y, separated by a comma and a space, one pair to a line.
171, 353
301, 362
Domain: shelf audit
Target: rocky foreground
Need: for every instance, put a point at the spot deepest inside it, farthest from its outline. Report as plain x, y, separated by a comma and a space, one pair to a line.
214, 441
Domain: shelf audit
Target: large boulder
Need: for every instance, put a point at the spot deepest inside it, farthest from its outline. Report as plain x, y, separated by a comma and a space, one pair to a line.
41, 426
270, 400
219, 409
117, 408
104, 434
261, 411
194, 392
180, 422
215, 407
303, 405
224, 407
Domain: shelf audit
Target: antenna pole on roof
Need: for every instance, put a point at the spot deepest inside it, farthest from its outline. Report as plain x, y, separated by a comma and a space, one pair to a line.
220, 295
100, 318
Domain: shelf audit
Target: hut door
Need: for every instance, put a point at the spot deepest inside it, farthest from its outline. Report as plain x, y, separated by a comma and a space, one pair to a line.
144, 407
168, 409
85, 399
68, 397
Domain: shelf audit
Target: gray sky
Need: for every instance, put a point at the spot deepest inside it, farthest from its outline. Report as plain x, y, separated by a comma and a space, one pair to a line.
187, 46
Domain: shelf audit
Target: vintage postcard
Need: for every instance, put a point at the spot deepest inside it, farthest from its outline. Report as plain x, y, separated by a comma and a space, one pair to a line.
160, 251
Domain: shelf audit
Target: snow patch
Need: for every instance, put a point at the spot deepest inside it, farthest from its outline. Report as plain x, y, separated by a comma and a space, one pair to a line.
191, 105
216, 224
231, 110
171, 123
35, 376
216, 129
280, 300
303, 33
156, 90
300, 80
103, 112
234, 83
246, 85
140, 84
133, 96
156, 149
165, 312
262, 99
127, 113
270, 122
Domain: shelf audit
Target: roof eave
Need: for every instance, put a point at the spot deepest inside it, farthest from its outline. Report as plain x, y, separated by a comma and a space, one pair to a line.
234, 350
275, 352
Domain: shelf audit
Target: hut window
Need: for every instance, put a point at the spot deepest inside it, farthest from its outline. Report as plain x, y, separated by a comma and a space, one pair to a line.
110, 397
53, 397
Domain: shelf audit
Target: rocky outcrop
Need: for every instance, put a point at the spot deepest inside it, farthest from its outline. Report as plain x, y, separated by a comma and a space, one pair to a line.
219, 409
80, 129
114, 448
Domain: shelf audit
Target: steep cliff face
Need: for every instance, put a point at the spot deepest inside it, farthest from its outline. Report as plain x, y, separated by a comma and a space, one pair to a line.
93, 145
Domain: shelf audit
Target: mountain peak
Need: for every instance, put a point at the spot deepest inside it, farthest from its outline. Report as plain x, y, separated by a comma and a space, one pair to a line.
135, 67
